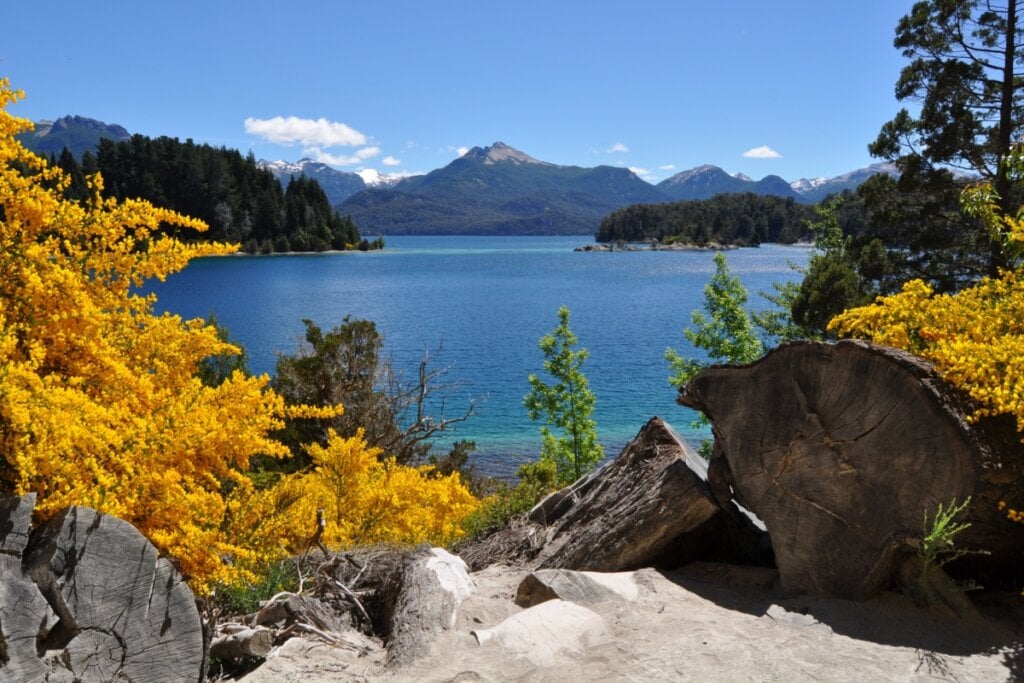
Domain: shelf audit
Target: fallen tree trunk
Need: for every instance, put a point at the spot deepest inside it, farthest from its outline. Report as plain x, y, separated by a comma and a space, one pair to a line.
633, 512
842, 450
650, 506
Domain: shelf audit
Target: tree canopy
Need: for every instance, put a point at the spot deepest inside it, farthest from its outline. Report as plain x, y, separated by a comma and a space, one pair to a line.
965, 64
744, 219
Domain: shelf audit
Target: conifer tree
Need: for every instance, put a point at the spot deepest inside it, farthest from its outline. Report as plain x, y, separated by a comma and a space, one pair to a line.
566, 405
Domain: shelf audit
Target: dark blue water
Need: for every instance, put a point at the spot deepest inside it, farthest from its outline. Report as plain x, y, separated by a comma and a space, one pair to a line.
486, 301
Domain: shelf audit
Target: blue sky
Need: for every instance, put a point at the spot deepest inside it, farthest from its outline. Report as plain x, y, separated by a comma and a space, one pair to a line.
796, 88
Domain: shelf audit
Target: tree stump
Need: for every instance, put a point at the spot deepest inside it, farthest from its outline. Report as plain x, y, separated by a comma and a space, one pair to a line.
85, 597
841, 450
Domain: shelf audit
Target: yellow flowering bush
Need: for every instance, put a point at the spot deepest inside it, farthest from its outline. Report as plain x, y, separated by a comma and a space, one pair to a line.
99, 400
363, 499
100, 403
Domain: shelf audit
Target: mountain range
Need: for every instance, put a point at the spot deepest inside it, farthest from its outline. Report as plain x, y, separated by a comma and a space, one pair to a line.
489, 190
78, 133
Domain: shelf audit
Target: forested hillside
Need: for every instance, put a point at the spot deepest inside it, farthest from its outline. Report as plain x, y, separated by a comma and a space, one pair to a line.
241, 202
743, 219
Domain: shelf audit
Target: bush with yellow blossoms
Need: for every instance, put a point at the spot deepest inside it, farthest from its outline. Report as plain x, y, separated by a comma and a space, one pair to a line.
362, 498
100, 403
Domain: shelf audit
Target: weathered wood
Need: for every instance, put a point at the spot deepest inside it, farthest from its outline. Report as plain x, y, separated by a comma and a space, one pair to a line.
123, 611
290, 608
636, 511
15, 522
248, 642
841, 450
425, 596
23, 614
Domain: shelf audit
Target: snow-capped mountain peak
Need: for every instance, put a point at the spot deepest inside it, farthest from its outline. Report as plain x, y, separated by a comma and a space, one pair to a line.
374, 178
808, 184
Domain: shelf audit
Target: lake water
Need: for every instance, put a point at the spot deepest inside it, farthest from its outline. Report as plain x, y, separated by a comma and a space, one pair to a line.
486, 301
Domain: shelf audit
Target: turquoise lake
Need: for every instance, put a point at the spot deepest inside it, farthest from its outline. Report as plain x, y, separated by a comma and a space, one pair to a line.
485, 301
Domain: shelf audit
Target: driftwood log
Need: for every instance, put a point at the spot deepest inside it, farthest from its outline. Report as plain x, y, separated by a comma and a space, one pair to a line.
842, 450
650, 506
633, 512
85, 597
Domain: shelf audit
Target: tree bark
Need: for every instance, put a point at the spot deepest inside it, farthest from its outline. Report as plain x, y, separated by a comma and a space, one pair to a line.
646, 507
843, 449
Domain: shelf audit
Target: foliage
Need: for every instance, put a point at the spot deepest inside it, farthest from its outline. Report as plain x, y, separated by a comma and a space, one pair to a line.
975, 338
917, 220
457, 461
363, 497
246, 596
964, 71
216, 369
567, 405
745, 219
100, 402
725, 331
240, 201
535, 480
833, 279
346, 365
938, 546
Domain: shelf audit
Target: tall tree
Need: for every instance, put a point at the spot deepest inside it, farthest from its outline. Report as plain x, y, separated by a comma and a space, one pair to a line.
567, 405
964, 71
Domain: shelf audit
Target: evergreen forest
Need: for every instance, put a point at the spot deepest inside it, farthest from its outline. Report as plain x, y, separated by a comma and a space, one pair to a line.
239, 201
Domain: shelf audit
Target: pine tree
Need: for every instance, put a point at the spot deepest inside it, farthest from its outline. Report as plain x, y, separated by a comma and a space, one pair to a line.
567, 405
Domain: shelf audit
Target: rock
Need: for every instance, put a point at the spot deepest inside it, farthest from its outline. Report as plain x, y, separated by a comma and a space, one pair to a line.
635, 511
301, 660
547, 633
797, 620
841, 450
578, 587
426, 594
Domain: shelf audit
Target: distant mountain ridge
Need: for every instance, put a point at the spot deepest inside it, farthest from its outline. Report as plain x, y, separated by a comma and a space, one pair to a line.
500, 190
78, 133
489, 190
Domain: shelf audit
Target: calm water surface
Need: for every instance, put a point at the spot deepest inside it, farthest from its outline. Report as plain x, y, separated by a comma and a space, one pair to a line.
486, 301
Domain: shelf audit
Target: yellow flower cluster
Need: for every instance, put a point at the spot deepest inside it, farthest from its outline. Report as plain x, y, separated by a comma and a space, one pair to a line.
362, 500
975, 338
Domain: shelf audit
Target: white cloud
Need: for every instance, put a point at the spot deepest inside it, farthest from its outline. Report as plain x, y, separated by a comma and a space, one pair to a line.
618, 148
762, 152
667, 167
324, 157
462, 151
643, 173
307, 132
390, 161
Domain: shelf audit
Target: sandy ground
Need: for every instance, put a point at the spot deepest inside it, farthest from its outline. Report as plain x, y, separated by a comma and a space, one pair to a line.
708, 623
